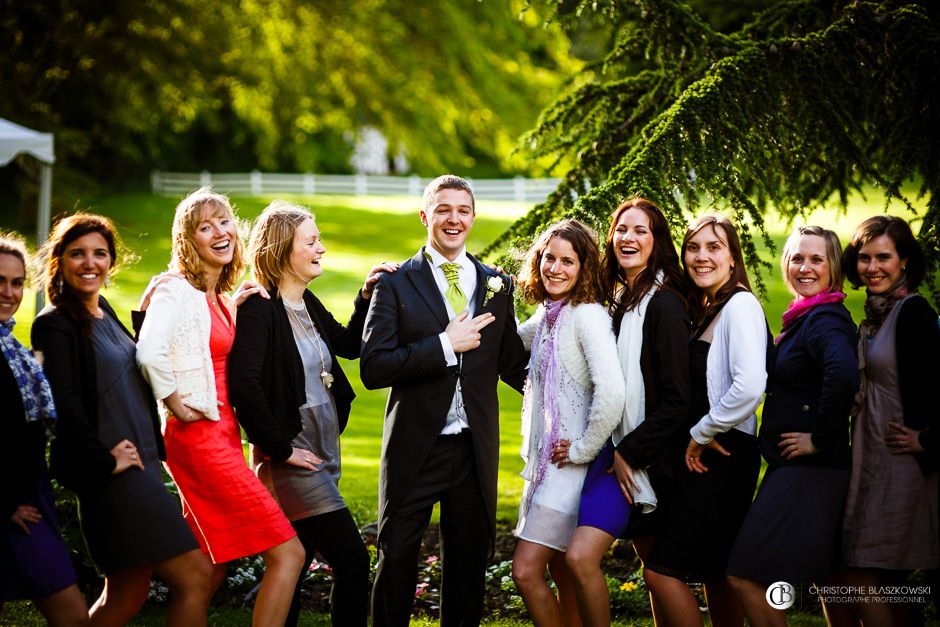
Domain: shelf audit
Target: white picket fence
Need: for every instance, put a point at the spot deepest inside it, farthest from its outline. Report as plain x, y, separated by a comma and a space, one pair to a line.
266, 184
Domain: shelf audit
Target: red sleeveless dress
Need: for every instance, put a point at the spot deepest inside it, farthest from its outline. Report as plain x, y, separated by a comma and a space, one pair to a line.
229, 510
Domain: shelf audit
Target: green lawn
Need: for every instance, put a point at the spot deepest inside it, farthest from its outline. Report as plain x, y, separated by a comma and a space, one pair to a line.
358, 232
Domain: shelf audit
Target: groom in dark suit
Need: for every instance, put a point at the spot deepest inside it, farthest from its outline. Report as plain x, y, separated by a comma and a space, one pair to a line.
440, 332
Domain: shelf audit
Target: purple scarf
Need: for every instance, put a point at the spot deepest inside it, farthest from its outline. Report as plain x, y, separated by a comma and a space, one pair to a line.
548, 382
800, 306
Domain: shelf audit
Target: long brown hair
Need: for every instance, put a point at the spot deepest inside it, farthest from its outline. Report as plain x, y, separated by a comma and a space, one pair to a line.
66, 231
589, 288
699, 306
663, 257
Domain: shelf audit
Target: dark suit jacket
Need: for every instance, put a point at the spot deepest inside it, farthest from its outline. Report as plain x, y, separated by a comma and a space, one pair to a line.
664, 362
814, 379
266, 375
23, 453
401, 349
79, 460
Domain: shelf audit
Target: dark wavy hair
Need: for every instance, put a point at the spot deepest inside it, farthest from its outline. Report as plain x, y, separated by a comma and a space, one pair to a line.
663, 257
589, 288
66, 231
904, 241
699, 305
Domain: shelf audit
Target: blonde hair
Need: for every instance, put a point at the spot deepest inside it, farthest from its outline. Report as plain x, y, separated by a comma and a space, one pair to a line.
185, 257
272, 241
833, 255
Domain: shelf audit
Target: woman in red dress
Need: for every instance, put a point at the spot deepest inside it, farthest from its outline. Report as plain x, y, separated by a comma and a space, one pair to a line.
183, 347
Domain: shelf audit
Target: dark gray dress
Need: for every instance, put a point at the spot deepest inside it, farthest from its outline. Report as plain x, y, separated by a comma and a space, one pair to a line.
300, 492
132, 520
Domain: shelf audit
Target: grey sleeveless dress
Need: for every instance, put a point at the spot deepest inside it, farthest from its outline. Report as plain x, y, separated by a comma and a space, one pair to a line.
891, 508
132, 519
300, 492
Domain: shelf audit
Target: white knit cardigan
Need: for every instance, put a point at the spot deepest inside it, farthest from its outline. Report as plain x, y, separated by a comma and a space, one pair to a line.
173, 348
736, 369
587, 350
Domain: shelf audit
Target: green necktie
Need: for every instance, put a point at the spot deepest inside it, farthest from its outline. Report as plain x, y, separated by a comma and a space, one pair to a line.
454, 294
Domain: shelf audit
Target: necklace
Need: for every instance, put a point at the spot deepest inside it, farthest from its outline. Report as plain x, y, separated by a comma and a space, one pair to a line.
325, 376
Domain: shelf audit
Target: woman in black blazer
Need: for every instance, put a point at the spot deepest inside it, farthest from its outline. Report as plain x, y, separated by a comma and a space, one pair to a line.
791, 532
108, 444
293, 399
34, 560
644, 284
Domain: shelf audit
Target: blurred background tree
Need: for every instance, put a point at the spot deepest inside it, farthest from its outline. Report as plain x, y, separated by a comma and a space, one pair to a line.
279, 85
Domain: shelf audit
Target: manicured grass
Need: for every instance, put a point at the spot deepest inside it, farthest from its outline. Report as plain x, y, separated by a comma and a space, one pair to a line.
359, 232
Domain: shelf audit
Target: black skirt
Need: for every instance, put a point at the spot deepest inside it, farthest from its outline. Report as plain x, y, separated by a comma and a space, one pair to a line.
792, 530
705, 511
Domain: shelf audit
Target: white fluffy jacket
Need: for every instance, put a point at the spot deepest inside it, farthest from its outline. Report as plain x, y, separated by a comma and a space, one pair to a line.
173, 349
736, 369
587, 350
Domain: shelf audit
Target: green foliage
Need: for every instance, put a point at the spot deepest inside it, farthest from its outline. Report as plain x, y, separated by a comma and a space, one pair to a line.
806, 102
184, 84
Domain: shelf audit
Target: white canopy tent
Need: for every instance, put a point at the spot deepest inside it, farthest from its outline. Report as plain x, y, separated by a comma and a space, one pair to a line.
16, 140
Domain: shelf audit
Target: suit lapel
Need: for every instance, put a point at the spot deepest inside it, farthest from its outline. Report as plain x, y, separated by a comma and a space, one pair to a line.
480, 292
420, 274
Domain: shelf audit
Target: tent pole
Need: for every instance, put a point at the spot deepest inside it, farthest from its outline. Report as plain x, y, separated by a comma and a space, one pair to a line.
44, 217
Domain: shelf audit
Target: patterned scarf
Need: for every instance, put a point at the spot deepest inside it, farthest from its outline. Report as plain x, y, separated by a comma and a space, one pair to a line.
878, 306
548, 382
800, 306
37, 396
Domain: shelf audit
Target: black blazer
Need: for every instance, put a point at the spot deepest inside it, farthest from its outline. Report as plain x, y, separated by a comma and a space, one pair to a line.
401, 349
664, 362
917, 344
23, 453
79, 460
813, 382
266, 375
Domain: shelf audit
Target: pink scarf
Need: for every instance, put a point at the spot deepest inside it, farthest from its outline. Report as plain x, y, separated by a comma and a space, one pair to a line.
799, 306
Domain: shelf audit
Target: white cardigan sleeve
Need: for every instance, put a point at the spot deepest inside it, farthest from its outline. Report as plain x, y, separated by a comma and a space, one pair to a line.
153, 346
596, 340
527, 329
741, 334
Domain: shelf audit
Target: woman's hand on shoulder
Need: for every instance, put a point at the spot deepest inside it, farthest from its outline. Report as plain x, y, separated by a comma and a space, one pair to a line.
795, 444
24, 516
303, 458
126, 456
246, 289
903, 440
373, 277
155, 282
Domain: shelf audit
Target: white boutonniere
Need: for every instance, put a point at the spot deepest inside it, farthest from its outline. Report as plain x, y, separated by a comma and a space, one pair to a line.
494, 285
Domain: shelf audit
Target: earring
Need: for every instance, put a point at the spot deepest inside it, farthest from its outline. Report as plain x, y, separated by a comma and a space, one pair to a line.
107, 281
60, 285
903, 268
